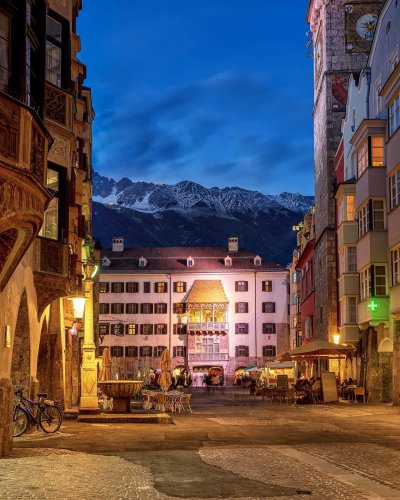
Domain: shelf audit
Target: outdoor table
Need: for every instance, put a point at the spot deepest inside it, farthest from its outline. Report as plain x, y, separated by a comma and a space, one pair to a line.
350, 389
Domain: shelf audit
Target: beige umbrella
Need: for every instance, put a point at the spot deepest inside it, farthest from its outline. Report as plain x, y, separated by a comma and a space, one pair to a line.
106, 370
165, 379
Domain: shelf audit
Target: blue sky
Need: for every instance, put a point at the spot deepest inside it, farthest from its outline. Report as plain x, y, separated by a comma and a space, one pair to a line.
214, 91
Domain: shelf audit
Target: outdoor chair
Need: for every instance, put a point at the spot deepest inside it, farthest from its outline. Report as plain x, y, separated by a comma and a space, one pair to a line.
359, 391
161, 401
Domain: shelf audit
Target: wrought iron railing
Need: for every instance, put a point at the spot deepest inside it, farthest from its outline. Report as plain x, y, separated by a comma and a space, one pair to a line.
208, 326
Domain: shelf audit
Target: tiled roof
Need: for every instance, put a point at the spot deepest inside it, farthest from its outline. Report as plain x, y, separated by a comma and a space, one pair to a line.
164, 259
203, 291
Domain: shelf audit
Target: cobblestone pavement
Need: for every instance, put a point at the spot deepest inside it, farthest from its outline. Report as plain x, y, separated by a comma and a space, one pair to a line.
232, 446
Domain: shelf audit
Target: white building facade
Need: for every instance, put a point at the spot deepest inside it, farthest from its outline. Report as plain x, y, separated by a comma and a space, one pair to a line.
211, 307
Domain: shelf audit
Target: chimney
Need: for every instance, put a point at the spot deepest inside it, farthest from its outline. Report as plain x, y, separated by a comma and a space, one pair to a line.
118, 244
233, 244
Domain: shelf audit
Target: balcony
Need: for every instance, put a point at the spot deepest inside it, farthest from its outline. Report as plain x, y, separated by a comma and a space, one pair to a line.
58, 109
23, 197
222, 356
374, 311
349, 333
207, 327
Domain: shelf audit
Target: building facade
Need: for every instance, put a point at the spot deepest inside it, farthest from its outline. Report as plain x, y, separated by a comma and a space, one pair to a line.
342, 33
211, 307
45, 192
368, 218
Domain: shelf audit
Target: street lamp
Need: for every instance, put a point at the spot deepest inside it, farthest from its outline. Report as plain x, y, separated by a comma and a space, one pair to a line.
89, 400
78, 306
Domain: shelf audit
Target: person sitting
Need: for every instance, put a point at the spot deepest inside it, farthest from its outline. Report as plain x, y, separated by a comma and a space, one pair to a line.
317, 390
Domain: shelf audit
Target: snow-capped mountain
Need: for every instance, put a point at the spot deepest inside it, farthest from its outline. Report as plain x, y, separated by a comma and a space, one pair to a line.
187, 213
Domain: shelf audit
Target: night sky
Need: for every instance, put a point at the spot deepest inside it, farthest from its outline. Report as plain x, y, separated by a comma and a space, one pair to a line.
214, 91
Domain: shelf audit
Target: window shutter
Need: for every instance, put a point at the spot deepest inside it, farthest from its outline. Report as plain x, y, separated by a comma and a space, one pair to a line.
141, 329
146, 287
236, 286
184, 351
164, 330
175, 286
165, 287
236, 307
151, 328
246, 307
155, 351
174, 352
141, 308
273, 307
184, 286
236, 328
141, 350
175, 328
237, 350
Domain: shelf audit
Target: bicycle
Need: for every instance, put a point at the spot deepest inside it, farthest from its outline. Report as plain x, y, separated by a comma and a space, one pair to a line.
48, 416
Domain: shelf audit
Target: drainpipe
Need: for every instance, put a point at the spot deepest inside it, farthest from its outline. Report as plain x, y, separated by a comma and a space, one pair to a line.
368, 75
170, 315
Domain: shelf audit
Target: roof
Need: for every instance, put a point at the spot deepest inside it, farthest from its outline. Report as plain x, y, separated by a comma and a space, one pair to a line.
174, 259
206, 291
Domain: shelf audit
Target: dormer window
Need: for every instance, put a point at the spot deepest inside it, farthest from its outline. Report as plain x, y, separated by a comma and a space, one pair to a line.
190, 262
228, 261
142, 262
257, 260
105, 262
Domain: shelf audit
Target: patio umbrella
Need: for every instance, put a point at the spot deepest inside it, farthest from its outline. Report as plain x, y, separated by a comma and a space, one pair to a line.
106, 370
319, 348
146, 370
165, 379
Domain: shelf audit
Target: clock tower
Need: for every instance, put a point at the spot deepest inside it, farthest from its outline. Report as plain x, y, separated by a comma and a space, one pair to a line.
342, 32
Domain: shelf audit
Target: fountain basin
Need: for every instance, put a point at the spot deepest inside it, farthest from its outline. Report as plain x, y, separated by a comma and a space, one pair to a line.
121, 391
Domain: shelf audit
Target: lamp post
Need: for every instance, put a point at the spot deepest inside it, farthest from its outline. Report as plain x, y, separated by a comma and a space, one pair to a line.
89, 401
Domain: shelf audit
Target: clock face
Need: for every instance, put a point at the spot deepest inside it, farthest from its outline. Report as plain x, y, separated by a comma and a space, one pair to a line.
360, 20
366, 25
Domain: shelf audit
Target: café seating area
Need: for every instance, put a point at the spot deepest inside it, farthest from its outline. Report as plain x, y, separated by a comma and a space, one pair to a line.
171, 401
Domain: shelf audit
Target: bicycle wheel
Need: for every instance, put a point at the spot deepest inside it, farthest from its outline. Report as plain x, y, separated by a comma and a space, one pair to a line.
20, 421
50, 419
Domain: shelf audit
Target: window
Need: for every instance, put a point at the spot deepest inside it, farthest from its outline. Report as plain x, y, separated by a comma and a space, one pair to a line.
117, 351
351, 310
179, 286
117, 330
54, 52
365, 283
269, 307
295, 277
242, 307
241, 286
190, 262
363, 220
378, 100
228, 261
132, 308
145, 351
117, 308
373, 282
160, 329
266, 286
308, 326
179, 351
179, 329
394, 59
142, 262
132, 287
269, 351
370, 153
257, 260
4, 50
104, 328
179, 308
158, 350
378, 215
351, 259
104, 308
241, 328
146, 329
269, 328
161, 287
394, 115
50, 228
131, 329
207, 345
117, 287
395, 254
131, 351
146, 287
104, 287
242, 350
160, 308
394, 186
380, 281
294, 299
347, 209
146, 308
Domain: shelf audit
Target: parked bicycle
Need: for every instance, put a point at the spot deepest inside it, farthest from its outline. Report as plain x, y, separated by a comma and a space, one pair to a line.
48, 415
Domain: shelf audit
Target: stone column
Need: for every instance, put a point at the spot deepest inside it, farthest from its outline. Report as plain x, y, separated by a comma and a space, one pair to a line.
396, 360
89, 400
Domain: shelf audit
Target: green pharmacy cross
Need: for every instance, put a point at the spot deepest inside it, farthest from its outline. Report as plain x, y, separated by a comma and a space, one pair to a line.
373, 305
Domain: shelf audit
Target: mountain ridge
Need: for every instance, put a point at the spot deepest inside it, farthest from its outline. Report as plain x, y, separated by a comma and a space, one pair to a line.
189, 214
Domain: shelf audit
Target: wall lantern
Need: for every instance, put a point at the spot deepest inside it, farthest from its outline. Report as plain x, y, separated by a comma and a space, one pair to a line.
78, 306
90, 269
336, 339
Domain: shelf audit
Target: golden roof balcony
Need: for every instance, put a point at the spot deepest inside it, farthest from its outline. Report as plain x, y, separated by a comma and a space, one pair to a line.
24, 143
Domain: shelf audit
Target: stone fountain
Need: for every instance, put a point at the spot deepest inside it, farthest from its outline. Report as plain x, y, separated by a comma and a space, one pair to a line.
121, 391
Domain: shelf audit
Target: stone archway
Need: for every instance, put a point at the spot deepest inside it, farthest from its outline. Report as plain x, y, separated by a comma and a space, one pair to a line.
21, 354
